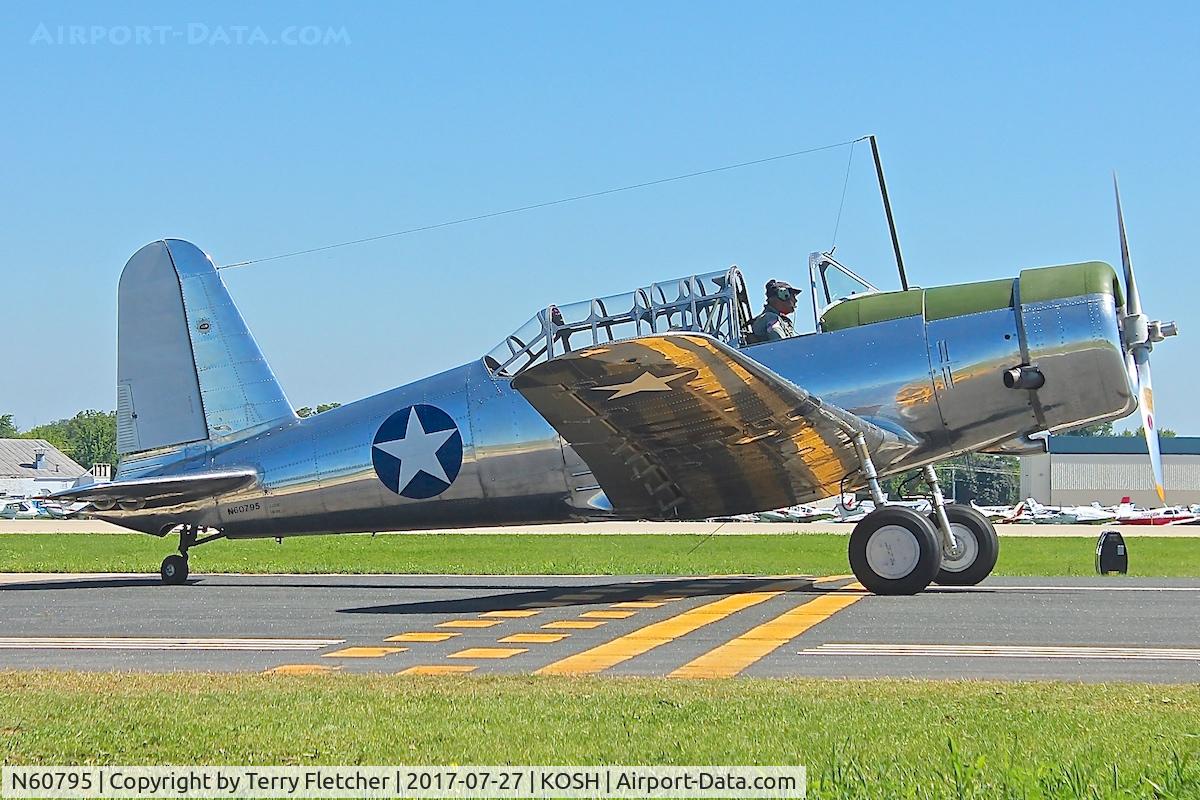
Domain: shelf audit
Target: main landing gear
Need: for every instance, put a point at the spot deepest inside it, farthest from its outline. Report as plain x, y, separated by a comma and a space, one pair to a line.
174, 569
896, 550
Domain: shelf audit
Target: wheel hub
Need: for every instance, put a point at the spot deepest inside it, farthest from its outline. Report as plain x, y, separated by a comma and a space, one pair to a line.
964, 552
893, 552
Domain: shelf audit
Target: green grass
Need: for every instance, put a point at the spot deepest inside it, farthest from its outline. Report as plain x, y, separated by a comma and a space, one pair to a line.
512, 554
857, 738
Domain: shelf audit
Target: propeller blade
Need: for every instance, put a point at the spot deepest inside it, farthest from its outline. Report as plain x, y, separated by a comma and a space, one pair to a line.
1146, 406
1133, 301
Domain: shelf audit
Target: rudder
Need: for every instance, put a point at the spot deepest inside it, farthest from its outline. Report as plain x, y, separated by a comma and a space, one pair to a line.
188, 368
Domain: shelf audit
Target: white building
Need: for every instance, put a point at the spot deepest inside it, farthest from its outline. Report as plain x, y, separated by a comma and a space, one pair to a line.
1080, 469
34, 467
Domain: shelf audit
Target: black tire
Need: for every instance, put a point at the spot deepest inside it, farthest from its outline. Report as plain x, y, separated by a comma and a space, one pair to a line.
904, 561
981, 544
174, 569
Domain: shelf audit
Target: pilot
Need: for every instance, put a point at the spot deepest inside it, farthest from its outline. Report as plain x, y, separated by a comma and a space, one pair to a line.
773, 323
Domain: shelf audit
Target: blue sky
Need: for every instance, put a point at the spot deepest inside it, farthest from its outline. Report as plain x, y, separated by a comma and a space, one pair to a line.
999, 127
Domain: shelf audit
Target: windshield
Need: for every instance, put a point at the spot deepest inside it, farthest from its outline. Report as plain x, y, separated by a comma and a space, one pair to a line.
837, 282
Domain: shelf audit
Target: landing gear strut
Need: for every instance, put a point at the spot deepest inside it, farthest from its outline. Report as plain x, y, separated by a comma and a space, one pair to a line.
895, 550
977, 548
174, 569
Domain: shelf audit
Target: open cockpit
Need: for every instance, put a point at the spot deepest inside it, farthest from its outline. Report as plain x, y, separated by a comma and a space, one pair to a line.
714, 303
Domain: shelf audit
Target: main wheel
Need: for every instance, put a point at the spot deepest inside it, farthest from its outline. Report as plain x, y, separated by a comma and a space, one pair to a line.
895, 550
978, 545
174, 569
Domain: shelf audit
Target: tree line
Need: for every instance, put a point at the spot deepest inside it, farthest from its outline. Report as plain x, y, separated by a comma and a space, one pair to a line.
90, 437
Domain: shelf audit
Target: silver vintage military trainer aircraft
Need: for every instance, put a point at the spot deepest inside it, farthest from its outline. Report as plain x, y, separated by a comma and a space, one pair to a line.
654, 404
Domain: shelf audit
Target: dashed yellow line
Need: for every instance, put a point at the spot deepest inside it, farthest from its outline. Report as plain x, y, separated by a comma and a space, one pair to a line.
439, 669
489, 652
738, 653
574, 624
513, 614
364, 652
607, 614
823, 583
656, 634
421, 637
469, 623
302, 669
417, 636
640, 604
535, 638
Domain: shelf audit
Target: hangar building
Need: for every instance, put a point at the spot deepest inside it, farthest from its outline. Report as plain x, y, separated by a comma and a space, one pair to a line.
1080, 469
34, 467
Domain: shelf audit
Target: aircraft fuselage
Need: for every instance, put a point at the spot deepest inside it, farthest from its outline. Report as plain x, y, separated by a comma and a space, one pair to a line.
931, 376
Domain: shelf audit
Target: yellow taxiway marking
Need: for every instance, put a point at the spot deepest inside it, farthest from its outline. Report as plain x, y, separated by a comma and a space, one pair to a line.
301, 669
515, 614
574, 624
822, 583
364, 652
469, 623
640, 604
535, 638
608, 614
645, 639
439, 669
489, 652
421, 637
740, 652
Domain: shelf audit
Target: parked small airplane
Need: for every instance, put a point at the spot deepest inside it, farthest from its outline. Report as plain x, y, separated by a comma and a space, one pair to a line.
1128, 513
655, 404
1030, 510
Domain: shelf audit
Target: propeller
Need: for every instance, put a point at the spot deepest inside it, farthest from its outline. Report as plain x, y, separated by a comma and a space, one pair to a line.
1141, 333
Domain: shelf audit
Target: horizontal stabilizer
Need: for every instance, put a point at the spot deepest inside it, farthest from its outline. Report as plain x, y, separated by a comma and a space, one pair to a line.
683, 426
159, 491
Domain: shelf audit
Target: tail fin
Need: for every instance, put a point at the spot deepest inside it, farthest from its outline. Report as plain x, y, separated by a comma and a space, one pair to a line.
187, 367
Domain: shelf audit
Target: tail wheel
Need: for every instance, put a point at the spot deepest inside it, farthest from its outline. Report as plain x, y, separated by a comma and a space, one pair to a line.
174, 569
978, 546
895, 550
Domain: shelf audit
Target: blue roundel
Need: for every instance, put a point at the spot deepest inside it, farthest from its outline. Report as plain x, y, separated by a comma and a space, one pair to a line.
417, 452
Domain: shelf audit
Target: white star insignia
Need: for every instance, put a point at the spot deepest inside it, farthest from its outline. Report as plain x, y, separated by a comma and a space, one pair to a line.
642, 383
417, 452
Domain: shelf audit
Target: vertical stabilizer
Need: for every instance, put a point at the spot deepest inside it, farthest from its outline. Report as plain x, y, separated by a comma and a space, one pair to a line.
187, 367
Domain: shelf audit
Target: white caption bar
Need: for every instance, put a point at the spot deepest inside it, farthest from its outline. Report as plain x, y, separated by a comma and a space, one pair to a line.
398, 781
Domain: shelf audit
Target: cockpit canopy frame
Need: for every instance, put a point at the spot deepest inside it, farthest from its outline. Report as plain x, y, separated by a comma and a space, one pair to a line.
832, 282
714, 303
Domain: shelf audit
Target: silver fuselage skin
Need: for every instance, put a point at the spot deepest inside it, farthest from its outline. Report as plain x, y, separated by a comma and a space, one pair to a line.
939, 381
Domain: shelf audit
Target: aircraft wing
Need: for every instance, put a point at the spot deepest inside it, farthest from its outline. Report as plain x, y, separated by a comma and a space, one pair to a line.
680, 425
160, 490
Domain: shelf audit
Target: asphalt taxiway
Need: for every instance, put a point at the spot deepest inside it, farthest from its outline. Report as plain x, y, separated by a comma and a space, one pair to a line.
1111, 629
